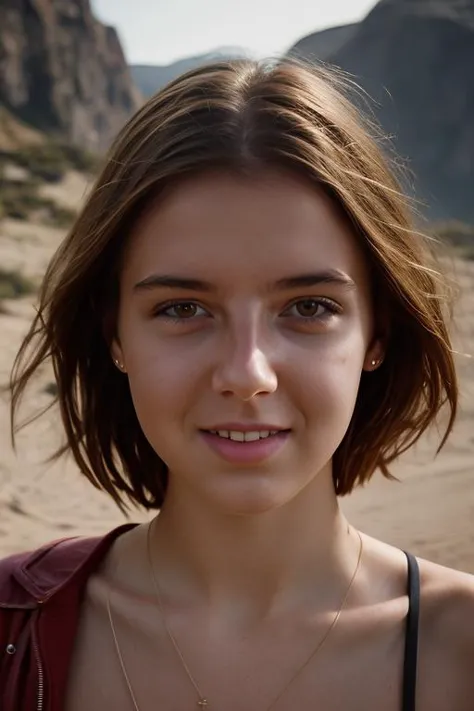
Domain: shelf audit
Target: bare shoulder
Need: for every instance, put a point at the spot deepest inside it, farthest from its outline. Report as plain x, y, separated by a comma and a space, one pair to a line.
447, 629
448, 603
445, 679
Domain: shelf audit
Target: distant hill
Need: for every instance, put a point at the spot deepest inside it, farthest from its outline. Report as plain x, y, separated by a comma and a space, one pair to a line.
151, 78
416, 59
64, 72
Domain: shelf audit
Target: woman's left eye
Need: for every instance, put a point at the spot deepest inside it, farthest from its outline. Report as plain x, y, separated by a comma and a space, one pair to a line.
313, 309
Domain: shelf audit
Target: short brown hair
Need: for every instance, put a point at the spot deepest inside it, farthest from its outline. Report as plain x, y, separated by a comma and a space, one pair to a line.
239, 116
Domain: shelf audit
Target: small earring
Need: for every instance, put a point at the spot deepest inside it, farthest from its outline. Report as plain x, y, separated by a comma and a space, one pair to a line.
376, 362
119, 365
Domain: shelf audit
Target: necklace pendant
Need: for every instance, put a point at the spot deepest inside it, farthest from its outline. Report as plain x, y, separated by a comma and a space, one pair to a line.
203, 704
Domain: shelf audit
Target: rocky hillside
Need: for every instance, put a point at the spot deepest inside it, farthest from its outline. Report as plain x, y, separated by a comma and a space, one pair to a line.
64, 72
416, 59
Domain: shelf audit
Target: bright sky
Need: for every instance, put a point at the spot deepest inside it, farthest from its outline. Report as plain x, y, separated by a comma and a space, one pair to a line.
161, 31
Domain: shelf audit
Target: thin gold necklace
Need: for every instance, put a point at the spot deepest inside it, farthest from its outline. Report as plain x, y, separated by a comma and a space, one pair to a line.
202, 700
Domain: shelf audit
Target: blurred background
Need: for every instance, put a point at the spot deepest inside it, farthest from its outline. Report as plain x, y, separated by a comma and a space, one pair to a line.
73, 71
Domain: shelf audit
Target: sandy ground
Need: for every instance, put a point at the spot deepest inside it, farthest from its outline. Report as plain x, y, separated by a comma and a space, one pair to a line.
430, 512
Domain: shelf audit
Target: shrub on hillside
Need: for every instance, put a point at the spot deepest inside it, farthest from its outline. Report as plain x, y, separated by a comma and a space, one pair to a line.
50, 161
21, 201
454, 232
46, 162
13, 284
458, 235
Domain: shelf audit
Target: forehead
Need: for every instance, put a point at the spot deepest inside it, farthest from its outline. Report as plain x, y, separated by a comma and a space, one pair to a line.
223, 227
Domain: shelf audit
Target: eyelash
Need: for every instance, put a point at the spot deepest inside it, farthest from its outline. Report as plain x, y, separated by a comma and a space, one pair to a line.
331, 306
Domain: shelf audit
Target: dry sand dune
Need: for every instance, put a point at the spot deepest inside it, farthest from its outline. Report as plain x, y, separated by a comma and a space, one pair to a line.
431, 512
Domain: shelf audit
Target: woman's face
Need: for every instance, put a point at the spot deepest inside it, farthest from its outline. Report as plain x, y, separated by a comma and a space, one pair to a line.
244, 304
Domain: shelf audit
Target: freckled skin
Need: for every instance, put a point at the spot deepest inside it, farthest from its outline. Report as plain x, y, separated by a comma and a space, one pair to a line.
243, 353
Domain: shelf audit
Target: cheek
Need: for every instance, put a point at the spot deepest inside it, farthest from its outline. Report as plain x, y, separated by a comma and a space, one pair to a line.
159, 398
162, 382
328, 382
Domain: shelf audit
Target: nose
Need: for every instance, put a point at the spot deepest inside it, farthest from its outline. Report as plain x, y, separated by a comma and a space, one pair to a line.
244, 370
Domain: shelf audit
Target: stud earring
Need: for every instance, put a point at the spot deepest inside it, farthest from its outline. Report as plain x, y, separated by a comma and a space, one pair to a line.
119, 365
376, 362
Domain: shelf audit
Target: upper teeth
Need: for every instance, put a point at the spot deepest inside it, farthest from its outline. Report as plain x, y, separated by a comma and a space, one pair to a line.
244, 436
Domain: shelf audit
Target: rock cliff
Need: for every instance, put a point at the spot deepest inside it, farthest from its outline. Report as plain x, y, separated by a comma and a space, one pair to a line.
416, 59
325, 43
64, 72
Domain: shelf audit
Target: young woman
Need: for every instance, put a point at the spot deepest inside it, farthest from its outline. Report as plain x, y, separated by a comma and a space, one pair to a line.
244, 325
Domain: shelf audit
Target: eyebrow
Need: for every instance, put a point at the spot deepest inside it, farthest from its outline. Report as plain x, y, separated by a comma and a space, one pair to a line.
169, 281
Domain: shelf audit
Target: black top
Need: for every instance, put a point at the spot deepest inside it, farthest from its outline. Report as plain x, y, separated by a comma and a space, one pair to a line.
411, 636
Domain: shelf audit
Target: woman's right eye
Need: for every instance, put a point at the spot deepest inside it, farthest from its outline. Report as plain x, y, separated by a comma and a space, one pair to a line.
178, 311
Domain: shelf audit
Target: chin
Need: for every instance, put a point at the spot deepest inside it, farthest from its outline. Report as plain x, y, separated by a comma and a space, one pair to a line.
251, 498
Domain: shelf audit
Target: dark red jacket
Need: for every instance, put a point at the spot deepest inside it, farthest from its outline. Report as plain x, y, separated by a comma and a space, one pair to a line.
40, 599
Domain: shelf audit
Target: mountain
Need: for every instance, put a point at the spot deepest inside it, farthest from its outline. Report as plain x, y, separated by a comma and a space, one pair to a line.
151, 78
64, 72
320, 45
416, 59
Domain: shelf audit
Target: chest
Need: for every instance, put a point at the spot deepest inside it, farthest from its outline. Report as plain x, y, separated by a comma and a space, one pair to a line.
140, 668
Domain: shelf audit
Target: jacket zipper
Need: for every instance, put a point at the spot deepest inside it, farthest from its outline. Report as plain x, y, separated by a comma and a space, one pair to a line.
39, 666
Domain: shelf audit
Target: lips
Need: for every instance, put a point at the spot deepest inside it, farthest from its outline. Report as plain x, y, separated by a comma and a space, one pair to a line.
246, 452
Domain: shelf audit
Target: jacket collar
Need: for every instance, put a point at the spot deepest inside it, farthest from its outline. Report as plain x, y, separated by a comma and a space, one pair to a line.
30, 579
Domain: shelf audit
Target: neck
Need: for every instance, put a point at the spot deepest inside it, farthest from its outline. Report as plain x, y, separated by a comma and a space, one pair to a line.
257, 564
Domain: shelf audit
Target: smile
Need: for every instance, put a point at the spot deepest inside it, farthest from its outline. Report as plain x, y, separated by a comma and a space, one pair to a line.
251, 447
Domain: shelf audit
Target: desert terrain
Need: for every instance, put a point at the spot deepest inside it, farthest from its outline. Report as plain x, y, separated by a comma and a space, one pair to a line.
430, 511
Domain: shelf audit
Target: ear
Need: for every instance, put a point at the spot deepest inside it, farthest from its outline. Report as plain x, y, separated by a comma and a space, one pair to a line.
379, 340
109, 330
117, 355
375, 355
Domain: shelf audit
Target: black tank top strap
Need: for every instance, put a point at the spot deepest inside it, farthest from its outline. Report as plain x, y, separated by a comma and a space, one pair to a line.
411, 635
